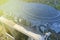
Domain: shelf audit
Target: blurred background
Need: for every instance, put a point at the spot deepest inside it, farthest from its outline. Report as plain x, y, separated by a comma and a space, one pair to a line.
9, 8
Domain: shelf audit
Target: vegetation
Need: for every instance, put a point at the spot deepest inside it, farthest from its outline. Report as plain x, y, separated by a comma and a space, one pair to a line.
17, 35
3, 35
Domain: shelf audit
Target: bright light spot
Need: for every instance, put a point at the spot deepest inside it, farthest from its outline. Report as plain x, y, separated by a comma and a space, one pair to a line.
20, 20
